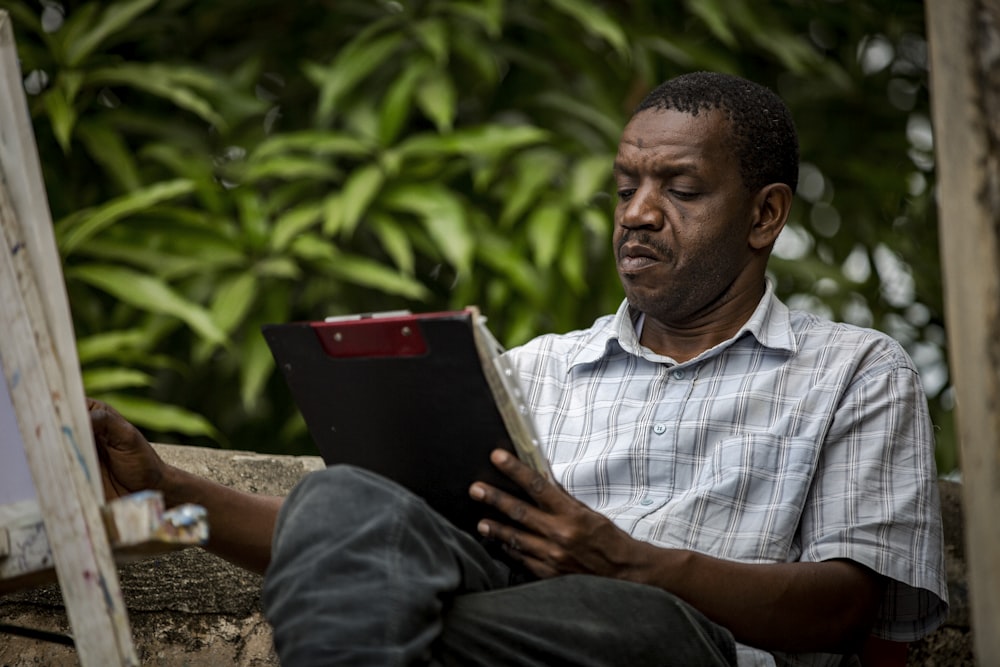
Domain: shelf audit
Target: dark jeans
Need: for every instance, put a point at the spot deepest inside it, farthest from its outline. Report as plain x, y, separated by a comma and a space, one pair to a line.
365, 573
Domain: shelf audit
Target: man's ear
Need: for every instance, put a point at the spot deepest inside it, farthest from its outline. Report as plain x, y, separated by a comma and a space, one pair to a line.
772, 205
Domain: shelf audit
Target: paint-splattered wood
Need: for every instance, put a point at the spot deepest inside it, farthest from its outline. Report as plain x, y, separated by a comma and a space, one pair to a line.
45, 388
75, 531
22, 172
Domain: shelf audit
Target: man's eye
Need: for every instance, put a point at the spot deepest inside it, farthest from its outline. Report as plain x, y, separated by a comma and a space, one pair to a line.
684, 195
626, 193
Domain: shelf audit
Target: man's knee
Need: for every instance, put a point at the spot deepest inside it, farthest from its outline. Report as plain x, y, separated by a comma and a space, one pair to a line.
326, 501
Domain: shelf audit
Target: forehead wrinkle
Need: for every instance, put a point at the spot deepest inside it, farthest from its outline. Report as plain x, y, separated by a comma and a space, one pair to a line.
658, 164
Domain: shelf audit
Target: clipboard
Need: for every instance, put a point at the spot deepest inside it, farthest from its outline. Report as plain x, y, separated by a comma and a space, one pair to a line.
419, 398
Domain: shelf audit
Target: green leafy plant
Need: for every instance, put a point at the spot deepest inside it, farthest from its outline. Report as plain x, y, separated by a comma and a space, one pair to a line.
216, 166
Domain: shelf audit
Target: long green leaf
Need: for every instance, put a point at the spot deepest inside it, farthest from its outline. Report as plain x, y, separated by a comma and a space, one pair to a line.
284, 268
395, 241
167, 263
107, 344
484, 141
256, 366
348, 69
256, 363
116, 16
233, 299
62, 115
96, 380
289, 167
75, 27
433, 35
487, 13
148, 293
358, 193
294, 222
358, 270
108, 149
609, 126
437, 98
162, 417
573, 258
532, 175
468, 47
212, 199
595, 21
715, 16
444, 218
545, 232
590, 175
315, 142
169, 83
509, 261
333, 213
76, 229
396, 106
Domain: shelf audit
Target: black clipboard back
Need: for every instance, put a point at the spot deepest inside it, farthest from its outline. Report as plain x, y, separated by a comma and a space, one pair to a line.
421, 399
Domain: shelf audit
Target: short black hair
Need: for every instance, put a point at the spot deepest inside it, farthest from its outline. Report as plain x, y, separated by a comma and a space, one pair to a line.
766, 143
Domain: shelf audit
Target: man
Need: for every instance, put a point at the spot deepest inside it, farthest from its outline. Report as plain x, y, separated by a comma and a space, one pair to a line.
726, 469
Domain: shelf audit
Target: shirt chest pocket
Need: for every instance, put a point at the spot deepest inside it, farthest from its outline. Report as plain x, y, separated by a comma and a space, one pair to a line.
749, 495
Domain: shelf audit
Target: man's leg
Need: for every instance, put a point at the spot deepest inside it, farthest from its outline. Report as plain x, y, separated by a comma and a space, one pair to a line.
361, 570
580, 621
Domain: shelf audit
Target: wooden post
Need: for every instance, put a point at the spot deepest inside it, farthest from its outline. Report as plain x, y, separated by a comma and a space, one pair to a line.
73, 523
23, 176
964, 38
42, 374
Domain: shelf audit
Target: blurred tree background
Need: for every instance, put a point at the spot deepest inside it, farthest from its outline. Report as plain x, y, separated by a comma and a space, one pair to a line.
212, 166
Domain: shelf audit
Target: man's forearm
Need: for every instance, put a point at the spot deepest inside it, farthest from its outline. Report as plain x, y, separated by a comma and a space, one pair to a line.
793, 607
240, 524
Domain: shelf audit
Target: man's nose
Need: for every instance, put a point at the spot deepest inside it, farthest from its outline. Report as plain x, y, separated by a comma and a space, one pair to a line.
642, 210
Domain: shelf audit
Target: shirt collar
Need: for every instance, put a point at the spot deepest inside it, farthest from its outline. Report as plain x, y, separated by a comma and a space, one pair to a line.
770, 325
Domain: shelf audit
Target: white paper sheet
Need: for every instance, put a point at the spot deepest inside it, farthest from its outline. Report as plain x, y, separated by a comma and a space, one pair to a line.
15, 475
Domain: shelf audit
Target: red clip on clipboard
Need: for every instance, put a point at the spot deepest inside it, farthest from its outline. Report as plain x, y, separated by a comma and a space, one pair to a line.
373, 335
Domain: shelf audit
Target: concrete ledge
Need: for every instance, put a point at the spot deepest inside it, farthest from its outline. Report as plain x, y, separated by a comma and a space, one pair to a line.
186, 608
193, 609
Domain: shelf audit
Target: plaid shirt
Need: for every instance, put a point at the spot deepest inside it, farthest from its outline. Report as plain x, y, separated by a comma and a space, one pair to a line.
797, 440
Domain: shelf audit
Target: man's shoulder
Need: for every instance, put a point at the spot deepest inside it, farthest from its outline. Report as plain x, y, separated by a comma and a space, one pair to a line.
815, 333
567, 345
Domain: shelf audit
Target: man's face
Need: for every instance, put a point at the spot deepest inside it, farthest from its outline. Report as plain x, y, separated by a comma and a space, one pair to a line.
683, 217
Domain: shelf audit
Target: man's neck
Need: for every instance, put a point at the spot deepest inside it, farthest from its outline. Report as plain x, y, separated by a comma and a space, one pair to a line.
685, 340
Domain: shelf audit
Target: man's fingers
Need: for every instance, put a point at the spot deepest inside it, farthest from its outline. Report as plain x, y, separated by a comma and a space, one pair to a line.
536, 484
516, 509
524, 547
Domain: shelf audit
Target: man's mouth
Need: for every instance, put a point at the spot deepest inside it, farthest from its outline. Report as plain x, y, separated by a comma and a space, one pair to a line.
635, 257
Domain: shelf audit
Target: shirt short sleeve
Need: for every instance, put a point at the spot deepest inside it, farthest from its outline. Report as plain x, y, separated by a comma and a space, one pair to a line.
874, 499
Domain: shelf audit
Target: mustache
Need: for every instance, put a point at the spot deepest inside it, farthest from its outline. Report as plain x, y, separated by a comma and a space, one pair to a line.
643, 238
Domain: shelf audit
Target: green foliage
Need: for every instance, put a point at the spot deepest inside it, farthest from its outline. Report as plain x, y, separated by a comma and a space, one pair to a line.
215, 166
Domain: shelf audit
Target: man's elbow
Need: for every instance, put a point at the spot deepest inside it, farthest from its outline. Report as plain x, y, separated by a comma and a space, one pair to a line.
858, 610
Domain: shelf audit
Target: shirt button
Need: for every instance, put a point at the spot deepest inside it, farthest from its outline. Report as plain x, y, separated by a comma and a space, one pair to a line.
659, 429
678, 374
646, 501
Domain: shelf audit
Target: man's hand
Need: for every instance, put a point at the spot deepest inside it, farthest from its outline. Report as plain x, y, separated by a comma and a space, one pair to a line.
128, 462
241, 523
804, 606
560, 535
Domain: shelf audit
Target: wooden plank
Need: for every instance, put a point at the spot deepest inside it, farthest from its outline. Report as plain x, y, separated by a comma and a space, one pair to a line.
57, 442
53, 446
23, 175
964, 38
